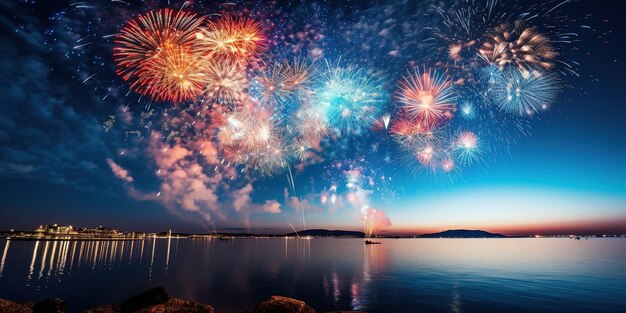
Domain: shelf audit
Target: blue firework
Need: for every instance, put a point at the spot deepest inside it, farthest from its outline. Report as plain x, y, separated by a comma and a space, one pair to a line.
524, 93
350, 99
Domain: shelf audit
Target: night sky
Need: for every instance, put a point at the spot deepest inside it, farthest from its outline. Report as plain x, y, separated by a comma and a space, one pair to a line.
65, 160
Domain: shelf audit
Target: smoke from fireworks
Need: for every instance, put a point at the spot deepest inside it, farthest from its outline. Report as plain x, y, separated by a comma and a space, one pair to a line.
374, 221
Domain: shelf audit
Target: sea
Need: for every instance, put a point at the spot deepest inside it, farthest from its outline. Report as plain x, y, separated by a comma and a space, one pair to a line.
399, 275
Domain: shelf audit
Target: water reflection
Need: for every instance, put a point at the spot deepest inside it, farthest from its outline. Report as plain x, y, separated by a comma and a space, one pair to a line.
4, 256
329, 274
58, 258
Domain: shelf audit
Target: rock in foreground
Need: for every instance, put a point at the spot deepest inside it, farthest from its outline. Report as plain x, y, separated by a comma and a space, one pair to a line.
14, 307
178, 305
155, 300
55, 305
145, 299
280, 304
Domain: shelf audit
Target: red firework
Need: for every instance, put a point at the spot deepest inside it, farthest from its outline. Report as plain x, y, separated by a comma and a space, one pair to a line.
156, 54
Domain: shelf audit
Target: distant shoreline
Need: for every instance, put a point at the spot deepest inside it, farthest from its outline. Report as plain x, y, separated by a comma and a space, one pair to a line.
293, 238
114, 235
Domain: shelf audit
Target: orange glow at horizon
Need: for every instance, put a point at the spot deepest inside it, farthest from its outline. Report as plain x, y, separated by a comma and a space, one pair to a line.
597, 227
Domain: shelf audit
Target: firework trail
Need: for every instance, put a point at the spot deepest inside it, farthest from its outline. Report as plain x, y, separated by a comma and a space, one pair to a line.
374, 221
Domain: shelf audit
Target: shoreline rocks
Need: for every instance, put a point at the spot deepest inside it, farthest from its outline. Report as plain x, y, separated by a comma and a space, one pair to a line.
15, 307
280, 304
156, 300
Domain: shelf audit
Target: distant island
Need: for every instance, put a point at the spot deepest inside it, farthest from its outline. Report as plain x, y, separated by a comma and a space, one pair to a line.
463, 233
319, 233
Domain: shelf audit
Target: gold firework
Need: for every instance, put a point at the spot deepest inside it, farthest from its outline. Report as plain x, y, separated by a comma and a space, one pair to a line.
520, 46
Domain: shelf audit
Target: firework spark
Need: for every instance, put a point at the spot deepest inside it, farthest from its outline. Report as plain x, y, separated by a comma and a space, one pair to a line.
309, 122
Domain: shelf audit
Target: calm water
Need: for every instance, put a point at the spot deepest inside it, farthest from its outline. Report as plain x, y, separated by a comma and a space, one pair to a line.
401, 275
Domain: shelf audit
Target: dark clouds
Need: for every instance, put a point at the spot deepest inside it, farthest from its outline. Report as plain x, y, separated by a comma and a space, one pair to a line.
49, 129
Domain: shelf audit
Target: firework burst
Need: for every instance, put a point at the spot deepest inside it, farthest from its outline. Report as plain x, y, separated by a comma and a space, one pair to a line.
524, 93
467, 147
231, 37
518, 45
225, 82
467, 110
272, 87
155, 53
252, 139
309, 122
299, 74
426, 95
173, 74
350, 99
424, 146
301, 149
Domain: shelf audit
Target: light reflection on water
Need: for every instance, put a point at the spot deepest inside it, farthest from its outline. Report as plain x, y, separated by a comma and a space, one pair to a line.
401, 275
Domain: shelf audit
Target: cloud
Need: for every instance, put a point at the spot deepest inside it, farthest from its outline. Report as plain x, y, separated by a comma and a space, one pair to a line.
270, 206
193, 182
49, 120
184, 185
241, 198
119, 171
299, 203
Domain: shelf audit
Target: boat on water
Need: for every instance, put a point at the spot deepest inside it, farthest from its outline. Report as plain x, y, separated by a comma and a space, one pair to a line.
369, 242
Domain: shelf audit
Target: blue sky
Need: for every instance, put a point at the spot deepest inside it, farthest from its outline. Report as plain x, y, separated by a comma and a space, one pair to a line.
56, 157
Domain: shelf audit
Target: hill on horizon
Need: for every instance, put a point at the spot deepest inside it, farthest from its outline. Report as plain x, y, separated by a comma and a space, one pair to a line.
463, 233
328, 233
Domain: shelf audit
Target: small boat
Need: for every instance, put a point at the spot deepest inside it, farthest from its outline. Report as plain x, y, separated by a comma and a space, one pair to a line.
369, 242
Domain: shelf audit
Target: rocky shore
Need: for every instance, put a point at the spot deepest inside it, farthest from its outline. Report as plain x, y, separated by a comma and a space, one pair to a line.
157, 301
